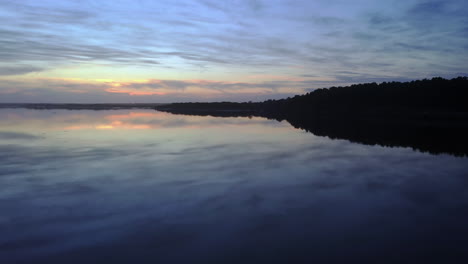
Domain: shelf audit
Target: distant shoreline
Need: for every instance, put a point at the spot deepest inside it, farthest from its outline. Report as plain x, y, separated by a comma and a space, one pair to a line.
48, 106
428, 115
424, 99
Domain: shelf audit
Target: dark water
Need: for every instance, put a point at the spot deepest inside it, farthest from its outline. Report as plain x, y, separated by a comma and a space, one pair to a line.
140, 186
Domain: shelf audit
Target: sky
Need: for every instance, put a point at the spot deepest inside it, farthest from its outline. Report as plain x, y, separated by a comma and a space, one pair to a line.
131, 51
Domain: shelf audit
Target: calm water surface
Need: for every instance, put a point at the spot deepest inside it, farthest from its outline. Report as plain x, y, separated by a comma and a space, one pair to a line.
140, 186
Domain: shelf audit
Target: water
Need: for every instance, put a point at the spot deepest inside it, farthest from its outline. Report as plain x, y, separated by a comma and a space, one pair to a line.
140, 186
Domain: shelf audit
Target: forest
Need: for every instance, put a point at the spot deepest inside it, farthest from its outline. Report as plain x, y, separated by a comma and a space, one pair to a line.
427, 115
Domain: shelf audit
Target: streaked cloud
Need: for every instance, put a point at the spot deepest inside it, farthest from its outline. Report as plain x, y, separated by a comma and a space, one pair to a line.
308, 44
18, 70
52, 90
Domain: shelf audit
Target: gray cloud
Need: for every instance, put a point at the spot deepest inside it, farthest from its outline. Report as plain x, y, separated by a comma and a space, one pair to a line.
373, 41
51, 90
229, 43
6, 135
18, 70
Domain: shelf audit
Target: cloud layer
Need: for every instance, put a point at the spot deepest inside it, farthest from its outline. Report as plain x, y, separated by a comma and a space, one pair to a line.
316, 43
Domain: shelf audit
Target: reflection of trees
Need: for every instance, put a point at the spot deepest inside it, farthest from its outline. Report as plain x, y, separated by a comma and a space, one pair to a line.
423, 136
428, 115
435, 138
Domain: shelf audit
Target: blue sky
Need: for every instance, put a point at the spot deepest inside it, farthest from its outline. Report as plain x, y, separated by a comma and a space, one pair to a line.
203, 50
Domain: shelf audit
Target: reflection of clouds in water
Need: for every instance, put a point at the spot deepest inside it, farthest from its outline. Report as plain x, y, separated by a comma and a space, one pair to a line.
5, 135
117, 119
215, 191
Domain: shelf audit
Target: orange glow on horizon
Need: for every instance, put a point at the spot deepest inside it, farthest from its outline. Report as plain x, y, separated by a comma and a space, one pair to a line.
196, 88
112, 125
133, 115
130, 92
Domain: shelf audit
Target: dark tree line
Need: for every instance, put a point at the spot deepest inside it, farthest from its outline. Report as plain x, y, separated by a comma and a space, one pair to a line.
435, 95
427, 115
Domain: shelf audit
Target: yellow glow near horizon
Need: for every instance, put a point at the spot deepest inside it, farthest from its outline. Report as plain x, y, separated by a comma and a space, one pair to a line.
132, 73
134, 81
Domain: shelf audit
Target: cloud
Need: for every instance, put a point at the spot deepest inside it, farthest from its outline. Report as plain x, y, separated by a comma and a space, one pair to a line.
153, 90
18, 70
411, 39
6, 135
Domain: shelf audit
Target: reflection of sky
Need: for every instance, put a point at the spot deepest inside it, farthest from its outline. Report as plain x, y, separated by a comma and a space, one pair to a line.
129, 126
205, 188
